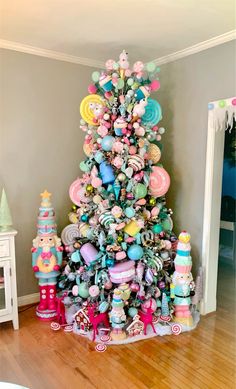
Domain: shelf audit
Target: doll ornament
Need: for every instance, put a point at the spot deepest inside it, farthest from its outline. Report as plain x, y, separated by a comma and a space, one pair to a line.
46, 259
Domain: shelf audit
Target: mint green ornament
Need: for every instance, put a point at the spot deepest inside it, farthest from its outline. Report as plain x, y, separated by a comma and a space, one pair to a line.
151, 66
95, 76
83, 290
120, 83
130, 81
140, 191
132, 311
84, 167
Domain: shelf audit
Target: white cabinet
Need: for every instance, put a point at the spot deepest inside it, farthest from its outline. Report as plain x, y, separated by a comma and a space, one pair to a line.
8, 291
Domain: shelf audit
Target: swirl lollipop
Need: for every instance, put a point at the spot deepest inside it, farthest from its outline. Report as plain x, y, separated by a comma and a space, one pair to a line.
78, 193
69, 234
87, 108
159, 181
153, 113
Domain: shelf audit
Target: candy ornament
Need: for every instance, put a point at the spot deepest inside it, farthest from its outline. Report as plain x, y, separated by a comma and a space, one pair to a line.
107, 173
159, 181
105, 82
136, 162
153, 113
89, 253
87, 108
120, 126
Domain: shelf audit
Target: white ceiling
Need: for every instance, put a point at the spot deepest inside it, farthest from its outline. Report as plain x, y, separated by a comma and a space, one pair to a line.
101, 29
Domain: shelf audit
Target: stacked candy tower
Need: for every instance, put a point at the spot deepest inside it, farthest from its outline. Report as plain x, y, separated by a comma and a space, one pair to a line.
183, 281
46, 258
117, 316
120, 228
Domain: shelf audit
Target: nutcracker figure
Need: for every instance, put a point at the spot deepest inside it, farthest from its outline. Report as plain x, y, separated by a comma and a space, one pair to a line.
46, 258
182, 281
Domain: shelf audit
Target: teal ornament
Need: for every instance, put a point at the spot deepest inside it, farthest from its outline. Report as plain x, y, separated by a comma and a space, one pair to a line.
75, 256
140, 191
132, 311
95, 76
83, 290
103, 306
129, 212
110, 262
135, 252
84, 218
107, 142
158, 302
116, 189
153, 113
151, 66
120, 83
84, 167
99, 157
157, 228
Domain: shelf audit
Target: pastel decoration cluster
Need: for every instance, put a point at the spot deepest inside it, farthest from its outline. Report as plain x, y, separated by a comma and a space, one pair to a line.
120, 243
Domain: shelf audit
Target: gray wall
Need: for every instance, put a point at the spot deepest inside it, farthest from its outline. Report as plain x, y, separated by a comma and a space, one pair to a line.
187, 85
40, 143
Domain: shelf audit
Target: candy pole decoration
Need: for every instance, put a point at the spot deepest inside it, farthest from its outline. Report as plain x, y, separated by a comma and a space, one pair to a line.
182, 281
117, 316
47, 259
120, 242
5, 214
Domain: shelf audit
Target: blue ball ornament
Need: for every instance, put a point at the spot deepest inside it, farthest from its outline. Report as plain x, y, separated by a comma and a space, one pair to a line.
107, 142
110, 262
135, 252
132, 311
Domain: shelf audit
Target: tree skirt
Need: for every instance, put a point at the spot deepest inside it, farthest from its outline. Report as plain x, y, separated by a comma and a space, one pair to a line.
161, 330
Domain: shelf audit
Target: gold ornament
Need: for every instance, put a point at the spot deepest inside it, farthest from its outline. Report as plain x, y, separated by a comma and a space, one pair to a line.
154, 153
89, 188
152, 201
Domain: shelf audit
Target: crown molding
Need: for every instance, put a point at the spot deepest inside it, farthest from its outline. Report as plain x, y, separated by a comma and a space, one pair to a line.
59, 56
218, 40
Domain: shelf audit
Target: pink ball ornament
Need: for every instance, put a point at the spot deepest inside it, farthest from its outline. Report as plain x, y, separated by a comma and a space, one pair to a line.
155, 128
158, 137
108, 95
134, 287
108, 285
155, 85
132, 150
128, 72
92, 89
94, 291
75, 290
149, 305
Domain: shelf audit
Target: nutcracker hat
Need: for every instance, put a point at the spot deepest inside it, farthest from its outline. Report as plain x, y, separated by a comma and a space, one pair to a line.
46, 217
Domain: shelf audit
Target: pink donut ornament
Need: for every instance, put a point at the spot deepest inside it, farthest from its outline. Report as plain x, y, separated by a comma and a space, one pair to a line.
159, 181
120, 255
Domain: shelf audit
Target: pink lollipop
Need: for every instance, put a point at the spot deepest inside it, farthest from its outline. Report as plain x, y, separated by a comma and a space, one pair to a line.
73, 191
159, 181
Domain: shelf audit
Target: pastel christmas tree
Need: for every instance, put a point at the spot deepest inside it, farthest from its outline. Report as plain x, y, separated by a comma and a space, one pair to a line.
197, 297
165, 312
5, 214
120, 228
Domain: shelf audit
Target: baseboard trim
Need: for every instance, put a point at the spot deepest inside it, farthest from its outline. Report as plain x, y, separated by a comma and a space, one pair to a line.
28, 299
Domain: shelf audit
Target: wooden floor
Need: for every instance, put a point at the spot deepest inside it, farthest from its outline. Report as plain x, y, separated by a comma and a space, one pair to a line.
38, 358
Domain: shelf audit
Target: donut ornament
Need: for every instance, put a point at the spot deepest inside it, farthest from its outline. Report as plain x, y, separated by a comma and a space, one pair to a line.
159, 181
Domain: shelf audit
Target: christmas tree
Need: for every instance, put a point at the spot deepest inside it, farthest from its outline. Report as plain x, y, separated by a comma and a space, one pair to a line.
120, 234
5, 214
